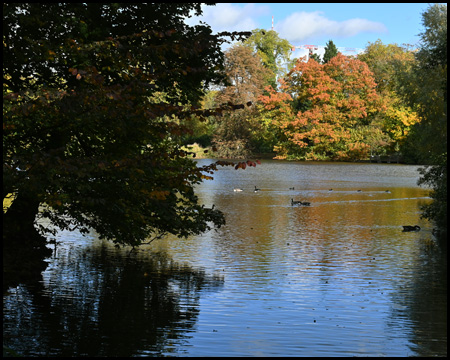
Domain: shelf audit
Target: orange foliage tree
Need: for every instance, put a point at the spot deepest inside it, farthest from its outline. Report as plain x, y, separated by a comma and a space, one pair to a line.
275, 112
335, 104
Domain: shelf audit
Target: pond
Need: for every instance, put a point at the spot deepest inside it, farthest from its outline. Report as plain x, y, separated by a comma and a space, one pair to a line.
336, 278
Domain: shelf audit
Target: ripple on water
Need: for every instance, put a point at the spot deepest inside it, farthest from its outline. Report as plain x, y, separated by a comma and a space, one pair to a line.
337, 278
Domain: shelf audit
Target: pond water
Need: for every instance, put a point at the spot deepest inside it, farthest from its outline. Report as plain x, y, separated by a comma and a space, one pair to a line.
336, 278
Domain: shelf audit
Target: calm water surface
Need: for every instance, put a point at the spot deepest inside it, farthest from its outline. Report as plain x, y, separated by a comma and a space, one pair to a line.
337, 278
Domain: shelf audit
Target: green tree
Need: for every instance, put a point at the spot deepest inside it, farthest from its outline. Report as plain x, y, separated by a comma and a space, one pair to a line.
201, 131
316, 57
91, 139
436, 177
273, 51
330, 51
426, 88
433, 50
388, 63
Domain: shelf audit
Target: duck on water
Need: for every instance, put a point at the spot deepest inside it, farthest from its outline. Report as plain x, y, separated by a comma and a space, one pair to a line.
411, 228
303, 203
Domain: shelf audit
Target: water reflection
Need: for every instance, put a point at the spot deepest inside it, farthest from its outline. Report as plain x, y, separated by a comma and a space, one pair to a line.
337, 278
425, 302
334, 278
106, 302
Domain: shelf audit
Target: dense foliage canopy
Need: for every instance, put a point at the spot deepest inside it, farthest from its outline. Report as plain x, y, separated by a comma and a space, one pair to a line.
330, 51
92, 100
333, 105
273, 51
389, 64
247, 76
428, 91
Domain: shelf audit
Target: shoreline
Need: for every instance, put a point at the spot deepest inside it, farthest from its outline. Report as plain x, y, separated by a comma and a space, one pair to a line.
207, 153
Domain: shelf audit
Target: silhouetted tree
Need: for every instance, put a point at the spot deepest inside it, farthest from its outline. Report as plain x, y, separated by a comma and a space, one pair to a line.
90, 139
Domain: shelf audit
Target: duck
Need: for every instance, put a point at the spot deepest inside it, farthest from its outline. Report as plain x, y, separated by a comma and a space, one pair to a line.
303, 203
256, 189
237, 190
292, 188
411, 228
295, 202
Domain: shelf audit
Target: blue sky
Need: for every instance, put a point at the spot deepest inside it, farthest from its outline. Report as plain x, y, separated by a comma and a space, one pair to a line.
349, 25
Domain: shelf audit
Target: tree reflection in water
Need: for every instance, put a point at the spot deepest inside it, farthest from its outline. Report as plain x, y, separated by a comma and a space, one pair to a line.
106, 302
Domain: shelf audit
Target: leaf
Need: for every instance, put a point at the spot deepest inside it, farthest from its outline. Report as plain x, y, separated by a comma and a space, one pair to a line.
240, 165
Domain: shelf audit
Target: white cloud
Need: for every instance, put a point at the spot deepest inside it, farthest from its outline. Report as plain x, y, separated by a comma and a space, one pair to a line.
353, 27
230, 17
301, 26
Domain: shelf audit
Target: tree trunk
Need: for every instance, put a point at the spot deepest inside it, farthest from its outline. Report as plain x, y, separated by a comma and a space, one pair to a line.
24, 248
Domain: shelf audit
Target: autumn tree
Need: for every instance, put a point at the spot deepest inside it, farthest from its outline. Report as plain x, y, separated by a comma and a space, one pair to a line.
247, 77
330, 51
275, 113
91, 97
334, 105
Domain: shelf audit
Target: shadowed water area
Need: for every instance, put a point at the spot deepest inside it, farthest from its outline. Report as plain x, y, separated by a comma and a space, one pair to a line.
336, 278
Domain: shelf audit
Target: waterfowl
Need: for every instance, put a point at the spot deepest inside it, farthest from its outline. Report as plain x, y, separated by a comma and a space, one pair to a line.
292, 188
411, 228
237, 189
330, 189
303, 203
256, 189
358, 190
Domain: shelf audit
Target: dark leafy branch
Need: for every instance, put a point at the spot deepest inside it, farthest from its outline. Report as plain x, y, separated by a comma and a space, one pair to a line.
91, 129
